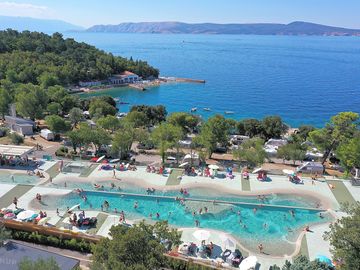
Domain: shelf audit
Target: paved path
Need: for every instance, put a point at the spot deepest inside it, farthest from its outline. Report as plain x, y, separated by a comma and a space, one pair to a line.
173, 179
89, 170
304, 247
341, 192
245, 184
17, 192
101, 217
53, 171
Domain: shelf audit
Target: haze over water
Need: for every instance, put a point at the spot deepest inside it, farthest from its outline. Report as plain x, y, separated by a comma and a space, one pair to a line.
305, 80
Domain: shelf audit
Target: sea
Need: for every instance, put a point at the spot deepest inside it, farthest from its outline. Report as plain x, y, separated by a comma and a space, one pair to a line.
303, 79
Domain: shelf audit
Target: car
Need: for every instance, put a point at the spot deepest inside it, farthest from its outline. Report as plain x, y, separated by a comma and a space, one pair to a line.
143, 146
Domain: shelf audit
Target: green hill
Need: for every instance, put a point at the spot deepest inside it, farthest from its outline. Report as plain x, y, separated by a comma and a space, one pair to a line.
41, 59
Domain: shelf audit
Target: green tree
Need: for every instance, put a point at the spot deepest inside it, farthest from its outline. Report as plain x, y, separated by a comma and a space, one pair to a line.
303, 263
273, 127
214, 132
5, 101
76, 138
344, 236
250, 127
99, 137
155, 114
75, 116
28, 264
137, 119
109, 122
166, 136
252, 152
99, 108
292, 151
47, 79
341, 128
303, 133
31, 101
188, 122
349, 153
56, 124
54, 108
132, 248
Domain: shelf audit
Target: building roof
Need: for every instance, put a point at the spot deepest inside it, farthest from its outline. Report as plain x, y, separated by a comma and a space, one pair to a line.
19, 120
123, 74
13, 252
14, 150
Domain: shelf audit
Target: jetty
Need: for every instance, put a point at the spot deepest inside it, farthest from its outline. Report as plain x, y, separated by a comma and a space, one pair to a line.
137, 86
174, 79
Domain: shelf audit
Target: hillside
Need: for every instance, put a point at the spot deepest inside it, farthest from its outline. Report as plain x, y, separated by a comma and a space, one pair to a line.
37, 58
294, 28
33, 24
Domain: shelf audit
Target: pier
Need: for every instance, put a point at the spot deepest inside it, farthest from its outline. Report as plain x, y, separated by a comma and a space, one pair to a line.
189, 80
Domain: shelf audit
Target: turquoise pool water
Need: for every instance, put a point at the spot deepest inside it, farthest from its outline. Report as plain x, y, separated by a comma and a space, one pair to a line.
18, 178
198, 193
271, 223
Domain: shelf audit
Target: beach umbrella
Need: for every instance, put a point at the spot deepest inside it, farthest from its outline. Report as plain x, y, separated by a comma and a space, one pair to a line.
74, 207
324, 259
226, 240
214, 167
289, 172
100, 159
257, 170
43, 221
201, 235
183, 164
248, 263
25, 214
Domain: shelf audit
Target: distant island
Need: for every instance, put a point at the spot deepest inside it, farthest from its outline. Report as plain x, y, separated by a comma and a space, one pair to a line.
294, 28
34, 24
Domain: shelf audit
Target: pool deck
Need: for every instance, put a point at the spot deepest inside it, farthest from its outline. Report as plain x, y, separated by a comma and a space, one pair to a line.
312, 244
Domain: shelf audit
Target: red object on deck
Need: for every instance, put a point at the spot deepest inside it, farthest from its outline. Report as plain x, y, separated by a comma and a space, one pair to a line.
94, 159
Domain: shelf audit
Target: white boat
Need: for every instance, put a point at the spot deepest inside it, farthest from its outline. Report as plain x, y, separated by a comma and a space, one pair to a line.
229, 112
207, 109
193, 109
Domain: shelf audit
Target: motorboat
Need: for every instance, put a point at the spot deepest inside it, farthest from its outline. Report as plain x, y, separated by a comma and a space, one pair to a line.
194, 109
229, 112
207, 109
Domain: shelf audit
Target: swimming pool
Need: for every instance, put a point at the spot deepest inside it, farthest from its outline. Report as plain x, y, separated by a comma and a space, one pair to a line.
268, 225
199, 193
18, 178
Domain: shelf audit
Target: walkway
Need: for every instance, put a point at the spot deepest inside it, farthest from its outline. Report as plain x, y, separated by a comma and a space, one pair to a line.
245, 184
53, 171
174, 179
341, 192
17, 191
101, 217
86, 172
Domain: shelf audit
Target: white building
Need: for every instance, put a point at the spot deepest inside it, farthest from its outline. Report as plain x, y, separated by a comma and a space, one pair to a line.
20, 125
124, 78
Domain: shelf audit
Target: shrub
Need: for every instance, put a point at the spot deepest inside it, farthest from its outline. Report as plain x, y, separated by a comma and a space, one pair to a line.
16, 138
73, 244
62, 151
4, 131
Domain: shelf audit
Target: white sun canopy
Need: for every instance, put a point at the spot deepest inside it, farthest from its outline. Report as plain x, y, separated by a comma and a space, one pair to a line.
15, 150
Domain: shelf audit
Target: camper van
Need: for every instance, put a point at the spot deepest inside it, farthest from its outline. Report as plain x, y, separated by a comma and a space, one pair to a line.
47, 134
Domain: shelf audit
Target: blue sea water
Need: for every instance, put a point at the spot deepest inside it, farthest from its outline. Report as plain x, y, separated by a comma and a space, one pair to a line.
305, 80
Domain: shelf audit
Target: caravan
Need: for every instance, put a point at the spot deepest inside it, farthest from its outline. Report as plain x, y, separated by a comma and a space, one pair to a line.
47, 134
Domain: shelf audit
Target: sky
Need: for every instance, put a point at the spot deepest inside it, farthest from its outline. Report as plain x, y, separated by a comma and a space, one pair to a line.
86, 13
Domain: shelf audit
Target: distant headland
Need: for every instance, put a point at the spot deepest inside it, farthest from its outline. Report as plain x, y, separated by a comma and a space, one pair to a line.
294, 28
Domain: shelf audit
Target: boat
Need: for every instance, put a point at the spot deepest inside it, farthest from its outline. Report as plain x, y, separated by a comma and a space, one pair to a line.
207, 109
193, 109
117, 99
123, 102
229, 112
